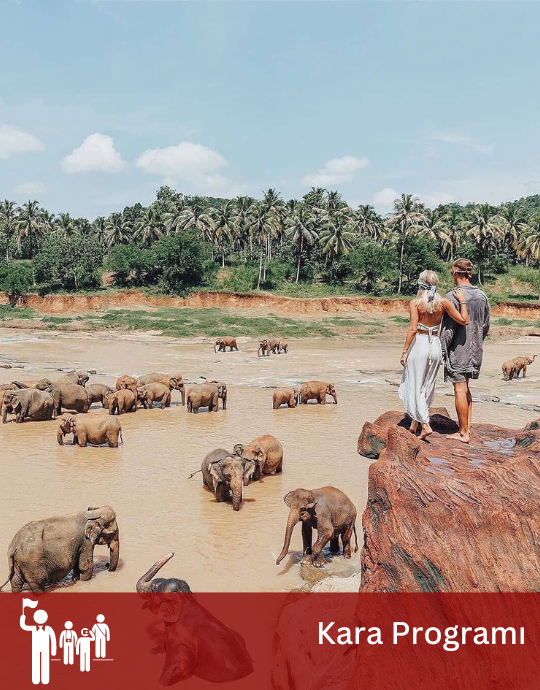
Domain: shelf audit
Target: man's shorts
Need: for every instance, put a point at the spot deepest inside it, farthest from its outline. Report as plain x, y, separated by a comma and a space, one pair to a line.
458, 377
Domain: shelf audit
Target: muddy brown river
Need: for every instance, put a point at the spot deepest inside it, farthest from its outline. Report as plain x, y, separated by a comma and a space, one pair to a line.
146, 480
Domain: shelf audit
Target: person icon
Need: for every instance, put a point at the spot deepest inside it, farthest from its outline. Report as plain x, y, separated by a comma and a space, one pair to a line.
68, 640
103, 635
43, 646
83, 648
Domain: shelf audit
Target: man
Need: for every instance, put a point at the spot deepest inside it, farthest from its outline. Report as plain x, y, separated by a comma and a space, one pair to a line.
68, 640
102, 634
43, 646
463, 345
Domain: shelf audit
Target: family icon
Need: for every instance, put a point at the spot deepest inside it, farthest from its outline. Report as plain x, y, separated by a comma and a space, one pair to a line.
44, 642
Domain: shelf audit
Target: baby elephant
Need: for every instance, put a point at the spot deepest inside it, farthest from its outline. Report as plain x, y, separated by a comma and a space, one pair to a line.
266, 452
284, 396
330, 512
94, 429
97, 392
226, 475
513, 367
157, 392
150, 584
317, 390
124, 400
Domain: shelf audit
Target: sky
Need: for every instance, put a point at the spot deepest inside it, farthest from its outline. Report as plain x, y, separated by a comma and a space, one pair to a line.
103, 101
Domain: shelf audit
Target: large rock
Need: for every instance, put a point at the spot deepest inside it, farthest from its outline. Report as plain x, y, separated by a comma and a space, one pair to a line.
442, 516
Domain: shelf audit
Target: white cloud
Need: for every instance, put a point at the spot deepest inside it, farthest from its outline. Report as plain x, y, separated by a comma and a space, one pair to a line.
336, 171
95, 154
457, 138
13, 140
385, 197
34, 187
436, 198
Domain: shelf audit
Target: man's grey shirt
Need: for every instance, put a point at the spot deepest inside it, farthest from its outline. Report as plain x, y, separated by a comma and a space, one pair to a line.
463, 345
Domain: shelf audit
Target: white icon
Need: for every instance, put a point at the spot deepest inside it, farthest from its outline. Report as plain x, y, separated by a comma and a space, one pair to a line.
68, 640
43, 643
103, 635
83, 648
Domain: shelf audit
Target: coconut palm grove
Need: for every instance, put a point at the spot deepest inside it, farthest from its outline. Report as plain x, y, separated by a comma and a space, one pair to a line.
315, 245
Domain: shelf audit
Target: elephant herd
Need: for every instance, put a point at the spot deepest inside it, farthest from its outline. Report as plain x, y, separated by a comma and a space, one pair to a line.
266, 346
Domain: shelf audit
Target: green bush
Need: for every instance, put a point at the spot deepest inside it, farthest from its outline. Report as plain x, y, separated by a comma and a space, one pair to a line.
15, 280
178, 261
68, 263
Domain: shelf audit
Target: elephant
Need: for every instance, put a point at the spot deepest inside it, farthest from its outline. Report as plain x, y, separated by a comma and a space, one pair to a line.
94, 429
283, 346
263, 349
157, 392
97, 392
44, 552
317, 390
126, 382
226, 474
69, 396
4, 387
173, 381
28, 403
196, 643
81, 378
513, 367
124, 400
225, 342
204, 395
266, 452
222, 391
285, 396
330, 512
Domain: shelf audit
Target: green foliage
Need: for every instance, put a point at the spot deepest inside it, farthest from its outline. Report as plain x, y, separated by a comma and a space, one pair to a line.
15, 280
69, 263
178, 261
373, 268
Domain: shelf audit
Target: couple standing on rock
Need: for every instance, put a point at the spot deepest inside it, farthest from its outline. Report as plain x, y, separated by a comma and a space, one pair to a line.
452, 328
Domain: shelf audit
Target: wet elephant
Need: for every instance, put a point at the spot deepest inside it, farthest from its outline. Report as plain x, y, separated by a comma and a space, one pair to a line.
173, 381
67, 396
266, 452
203, 395
94, 429
97, 392
330, 512
227, 341
28, 403
81, 378
127, 382
157, 392
317, 390
124, 400
226, 475
44, 552
196, 643
284, 396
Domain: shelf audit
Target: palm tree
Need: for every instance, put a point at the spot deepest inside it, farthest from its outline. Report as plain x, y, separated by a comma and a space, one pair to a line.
368, 222
261, 225
30, 224
99, 226
244, 206
529, 244
118, 229
434, 227
483, 229
150, 225
406, 219
301, 229
197, 217
512, 221
8, 221
65, 225
454, 231
315, 197
174, 217
274, 206
225, 218
337, 237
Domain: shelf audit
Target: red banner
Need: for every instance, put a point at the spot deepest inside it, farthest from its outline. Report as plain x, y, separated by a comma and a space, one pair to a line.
298, 641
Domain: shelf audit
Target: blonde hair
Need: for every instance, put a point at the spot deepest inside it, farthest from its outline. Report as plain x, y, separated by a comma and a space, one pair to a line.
424, 299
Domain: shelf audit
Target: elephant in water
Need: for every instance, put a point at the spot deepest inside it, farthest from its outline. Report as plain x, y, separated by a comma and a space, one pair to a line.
227, 341
196, 643
125, 400
66, 395
226, 474
266, 452
205, 395
284, 396
44, 552
28, 403
97, 392
317, 390
173, 381
81, 378
513, 367
94, 429
157, 392
330, 512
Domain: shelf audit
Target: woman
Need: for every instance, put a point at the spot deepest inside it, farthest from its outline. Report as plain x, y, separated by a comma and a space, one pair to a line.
422, 354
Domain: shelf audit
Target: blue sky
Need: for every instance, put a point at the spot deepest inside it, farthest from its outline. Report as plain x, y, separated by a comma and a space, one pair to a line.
103, 101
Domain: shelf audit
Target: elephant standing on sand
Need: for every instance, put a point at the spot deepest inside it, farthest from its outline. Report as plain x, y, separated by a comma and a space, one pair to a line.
227, 341
94, 429
513, 367
266, 452
285, 396
226, 474
28, 403
68, 396
196, 643
330, 512
317, 390
283, 346
44, 552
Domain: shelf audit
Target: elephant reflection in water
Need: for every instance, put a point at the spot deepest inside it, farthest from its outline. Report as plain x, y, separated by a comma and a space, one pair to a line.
196, 643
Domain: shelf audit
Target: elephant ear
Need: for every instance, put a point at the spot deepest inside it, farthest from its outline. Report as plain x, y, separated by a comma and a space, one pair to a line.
216, 472
288, 498
94, 526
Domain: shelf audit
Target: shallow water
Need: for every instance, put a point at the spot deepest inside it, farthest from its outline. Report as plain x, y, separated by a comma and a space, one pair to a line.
158, 508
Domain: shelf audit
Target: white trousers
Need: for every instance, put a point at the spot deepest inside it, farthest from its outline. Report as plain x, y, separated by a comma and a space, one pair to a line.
417, 389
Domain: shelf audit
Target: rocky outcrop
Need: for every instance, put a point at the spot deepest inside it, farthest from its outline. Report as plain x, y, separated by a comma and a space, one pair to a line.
442, 516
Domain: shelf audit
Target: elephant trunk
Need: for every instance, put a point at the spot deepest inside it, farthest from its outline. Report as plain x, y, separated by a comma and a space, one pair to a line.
183, 393
143, 584
294, 516
60, 435
236, 489
114, 551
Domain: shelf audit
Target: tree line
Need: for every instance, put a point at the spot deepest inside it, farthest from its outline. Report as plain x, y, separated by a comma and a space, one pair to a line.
180, 241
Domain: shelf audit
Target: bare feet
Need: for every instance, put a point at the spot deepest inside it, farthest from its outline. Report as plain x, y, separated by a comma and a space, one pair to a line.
426, 431
414, 427
458, 436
